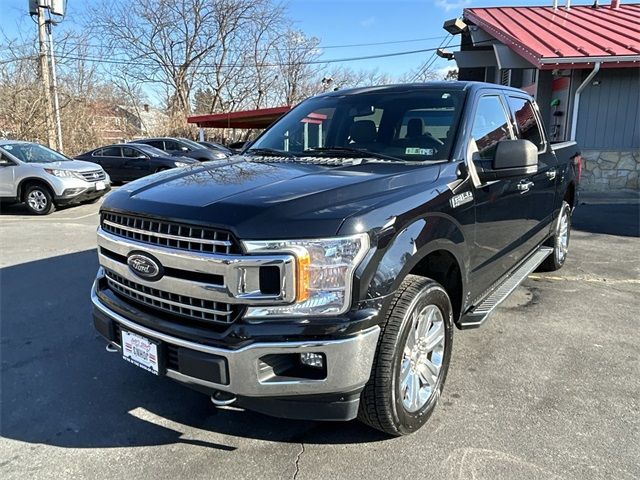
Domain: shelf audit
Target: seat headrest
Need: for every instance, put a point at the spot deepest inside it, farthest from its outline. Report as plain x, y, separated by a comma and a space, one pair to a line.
363, 131
414, 128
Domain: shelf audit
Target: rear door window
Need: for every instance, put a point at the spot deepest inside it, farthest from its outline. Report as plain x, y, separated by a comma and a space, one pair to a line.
111, 152
526, 120
432, 122
129, 152
172, 145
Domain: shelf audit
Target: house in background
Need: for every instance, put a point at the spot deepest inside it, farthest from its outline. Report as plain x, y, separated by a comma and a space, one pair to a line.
581, 63
121, 123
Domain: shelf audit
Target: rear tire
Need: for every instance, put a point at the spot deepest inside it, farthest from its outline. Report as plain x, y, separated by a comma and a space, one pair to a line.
38, 200
559, 241
407, 376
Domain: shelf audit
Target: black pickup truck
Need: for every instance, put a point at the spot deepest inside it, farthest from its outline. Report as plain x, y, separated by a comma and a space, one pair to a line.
320, 273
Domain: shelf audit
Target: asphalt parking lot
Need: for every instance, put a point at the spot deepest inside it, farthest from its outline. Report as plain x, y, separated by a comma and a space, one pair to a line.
549, 388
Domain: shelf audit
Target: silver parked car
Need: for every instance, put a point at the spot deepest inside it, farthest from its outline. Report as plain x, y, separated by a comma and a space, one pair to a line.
43, 178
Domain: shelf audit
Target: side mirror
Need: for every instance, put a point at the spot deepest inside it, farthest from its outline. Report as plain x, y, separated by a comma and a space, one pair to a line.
184, 149
141, 157
513, 158
5, 162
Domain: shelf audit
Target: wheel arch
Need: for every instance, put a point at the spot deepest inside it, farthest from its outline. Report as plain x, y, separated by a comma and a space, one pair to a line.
25, 182
432, 247
442, 266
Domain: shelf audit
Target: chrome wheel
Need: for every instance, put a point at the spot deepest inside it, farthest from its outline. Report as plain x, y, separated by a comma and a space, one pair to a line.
562, 239
422, 358
37, 200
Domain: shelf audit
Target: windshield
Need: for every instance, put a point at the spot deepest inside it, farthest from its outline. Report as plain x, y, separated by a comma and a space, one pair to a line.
414, 125
33, 153
149, 150
191, 143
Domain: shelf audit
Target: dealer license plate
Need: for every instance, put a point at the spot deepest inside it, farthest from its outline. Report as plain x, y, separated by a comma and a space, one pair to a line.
100, 185
140, 351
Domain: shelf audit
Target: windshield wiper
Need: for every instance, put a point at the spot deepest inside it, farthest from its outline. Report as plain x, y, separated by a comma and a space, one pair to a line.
353, 152
270, 152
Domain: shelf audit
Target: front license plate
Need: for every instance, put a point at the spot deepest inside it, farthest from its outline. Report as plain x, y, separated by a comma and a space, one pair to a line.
100, 186
140, 351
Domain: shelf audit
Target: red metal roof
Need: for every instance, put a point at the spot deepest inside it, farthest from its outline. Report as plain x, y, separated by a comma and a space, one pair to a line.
261, 118
574, 38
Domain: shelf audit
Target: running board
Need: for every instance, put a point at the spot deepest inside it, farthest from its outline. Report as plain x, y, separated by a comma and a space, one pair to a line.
478, 314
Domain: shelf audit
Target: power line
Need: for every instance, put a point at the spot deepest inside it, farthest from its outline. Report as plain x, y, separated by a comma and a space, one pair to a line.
423, 67
428, 64
67, 56
319, 47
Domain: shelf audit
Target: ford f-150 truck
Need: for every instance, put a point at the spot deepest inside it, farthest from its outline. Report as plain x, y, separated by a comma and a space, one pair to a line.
320, 273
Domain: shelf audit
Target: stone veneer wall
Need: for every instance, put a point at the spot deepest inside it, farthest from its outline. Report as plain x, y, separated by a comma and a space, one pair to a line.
610, 170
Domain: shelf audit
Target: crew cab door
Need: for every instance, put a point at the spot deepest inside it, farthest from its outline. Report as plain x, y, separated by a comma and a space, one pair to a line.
501, 206
543, 183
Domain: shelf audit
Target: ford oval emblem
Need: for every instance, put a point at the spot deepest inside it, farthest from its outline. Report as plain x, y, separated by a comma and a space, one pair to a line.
145, 266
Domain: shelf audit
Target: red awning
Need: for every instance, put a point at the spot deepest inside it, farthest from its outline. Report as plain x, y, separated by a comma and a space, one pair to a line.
261, 118
560, 38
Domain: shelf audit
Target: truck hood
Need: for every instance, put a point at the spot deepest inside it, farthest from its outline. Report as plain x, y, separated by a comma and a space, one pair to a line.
261, 198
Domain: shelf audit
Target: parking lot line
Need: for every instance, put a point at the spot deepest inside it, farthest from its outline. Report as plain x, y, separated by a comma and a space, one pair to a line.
585, 279
50, 219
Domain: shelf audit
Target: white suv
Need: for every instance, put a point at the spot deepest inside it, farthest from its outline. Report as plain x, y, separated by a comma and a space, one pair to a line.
43, 178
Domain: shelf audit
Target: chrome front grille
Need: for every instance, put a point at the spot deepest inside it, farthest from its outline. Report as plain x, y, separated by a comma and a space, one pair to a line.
182, 305
94, 175
170, 234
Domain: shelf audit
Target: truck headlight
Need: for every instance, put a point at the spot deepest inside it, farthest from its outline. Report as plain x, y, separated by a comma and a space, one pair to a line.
324, 274
63, 173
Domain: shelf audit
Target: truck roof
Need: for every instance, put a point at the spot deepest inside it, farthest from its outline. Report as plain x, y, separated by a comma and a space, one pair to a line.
403, 87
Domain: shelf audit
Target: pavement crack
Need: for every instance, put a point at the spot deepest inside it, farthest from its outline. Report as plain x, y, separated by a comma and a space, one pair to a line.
295, 474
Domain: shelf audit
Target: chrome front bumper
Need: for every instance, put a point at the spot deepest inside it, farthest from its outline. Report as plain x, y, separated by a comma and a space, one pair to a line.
348, 361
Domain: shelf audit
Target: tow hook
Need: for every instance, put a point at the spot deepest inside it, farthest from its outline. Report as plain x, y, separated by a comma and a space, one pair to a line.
220, 399
112, 347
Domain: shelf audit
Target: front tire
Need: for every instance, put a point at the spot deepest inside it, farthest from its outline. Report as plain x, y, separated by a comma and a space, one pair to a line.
39, 200
412, 359
559, 241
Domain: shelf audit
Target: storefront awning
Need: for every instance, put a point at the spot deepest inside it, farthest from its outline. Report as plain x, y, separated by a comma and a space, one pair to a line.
247, 119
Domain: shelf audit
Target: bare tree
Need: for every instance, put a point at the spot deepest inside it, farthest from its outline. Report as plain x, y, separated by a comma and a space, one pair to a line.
340, 77
180, 45
294, 55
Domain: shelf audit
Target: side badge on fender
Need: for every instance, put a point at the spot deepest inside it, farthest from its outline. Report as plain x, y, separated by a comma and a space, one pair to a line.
461, 199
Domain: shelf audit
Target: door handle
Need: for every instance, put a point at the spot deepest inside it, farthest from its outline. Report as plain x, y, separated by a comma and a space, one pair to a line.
524, 186
551, 174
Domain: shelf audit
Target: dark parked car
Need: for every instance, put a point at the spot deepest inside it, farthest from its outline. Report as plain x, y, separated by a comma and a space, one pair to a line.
322, 273
130, 161
184, 147
216, 147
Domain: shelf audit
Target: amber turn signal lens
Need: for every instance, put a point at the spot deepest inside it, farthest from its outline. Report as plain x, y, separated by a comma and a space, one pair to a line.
302, 277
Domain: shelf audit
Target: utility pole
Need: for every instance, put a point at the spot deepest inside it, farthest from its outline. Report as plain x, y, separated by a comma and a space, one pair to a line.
44, 71
54, 86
